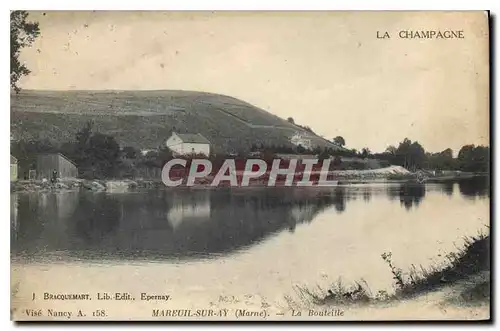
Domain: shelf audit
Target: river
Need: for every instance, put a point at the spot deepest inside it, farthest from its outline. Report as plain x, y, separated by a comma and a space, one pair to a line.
240, 246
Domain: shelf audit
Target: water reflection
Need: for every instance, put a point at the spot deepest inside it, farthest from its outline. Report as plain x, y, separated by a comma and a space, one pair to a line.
448, 187
162, 223
97, 217
475, 187
190, 209
187, 223
410, 194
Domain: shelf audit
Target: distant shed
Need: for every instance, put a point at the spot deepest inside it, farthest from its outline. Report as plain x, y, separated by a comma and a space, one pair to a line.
47, 163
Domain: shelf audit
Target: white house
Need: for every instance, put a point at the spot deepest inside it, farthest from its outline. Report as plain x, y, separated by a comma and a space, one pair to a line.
302, 140
187, 143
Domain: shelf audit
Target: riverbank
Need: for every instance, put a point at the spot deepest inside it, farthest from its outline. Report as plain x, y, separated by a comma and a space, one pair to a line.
349, 177
76, 184
463, 281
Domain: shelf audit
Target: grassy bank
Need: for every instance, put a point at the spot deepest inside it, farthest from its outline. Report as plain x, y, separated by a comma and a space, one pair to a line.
471, 260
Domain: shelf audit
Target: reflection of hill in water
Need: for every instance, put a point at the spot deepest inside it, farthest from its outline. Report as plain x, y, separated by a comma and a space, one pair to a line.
171, 223
183, 223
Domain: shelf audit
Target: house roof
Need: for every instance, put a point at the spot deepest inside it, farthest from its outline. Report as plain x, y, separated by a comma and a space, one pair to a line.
192, 138
13, 160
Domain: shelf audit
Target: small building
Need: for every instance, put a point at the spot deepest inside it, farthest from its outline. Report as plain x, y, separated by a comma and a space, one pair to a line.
300, 139
187, 143
13, 169
46, 164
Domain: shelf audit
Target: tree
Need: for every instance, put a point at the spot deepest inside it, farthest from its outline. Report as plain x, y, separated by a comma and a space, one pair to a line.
324, 155
391, 150
268, 155
78, 149
83, 136
441, 161
339, 140
307, 128
410, 155
22, 34
417, 155
290, 119
164, 155
96, 154
337, 161
300, 149
447, 153
316, 150
474, 159
104, 154
365, 152
130, 152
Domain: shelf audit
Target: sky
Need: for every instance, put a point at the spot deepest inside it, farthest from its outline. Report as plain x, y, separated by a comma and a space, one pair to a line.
327, 70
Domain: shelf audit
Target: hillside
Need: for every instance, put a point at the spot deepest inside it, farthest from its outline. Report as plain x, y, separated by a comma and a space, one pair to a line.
145, 119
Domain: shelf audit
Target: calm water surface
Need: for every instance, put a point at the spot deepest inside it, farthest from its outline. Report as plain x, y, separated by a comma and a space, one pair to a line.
240, 241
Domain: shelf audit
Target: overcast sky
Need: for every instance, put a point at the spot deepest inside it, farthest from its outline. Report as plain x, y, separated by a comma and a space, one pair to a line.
326, 70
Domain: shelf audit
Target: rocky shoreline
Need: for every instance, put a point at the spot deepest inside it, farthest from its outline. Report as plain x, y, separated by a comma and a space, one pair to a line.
127, 185
76, 184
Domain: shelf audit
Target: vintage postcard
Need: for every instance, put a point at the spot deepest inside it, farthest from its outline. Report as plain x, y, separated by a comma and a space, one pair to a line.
250, 166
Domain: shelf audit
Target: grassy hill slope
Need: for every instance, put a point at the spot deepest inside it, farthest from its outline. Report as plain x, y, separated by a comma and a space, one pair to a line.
145, 119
